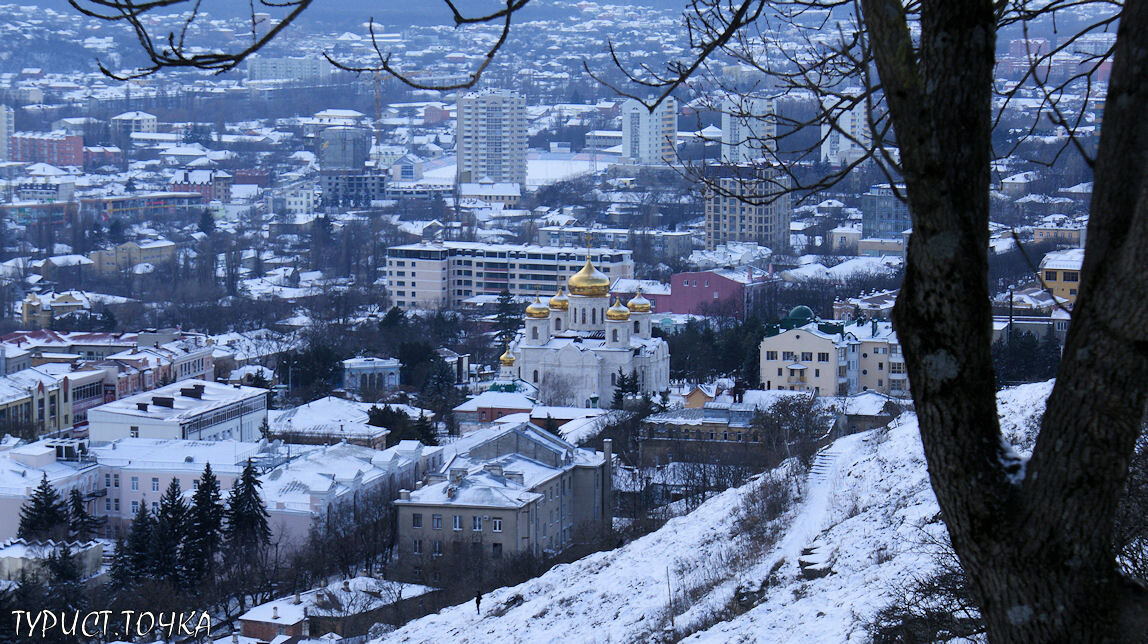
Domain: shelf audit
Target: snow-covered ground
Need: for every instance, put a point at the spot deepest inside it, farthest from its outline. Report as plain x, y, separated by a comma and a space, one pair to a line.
866, 512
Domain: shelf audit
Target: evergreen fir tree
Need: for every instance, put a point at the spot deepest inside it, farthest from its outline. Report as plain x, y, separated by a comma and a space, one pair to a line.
81, 525
204, 530
168, 534
247, 528
121, 575
139, 550
64, 582
424, 431
44, 515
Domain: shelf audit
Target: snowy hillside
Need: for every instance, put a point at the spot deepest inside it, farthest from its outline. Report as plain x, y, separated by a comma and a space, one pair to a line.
866, 519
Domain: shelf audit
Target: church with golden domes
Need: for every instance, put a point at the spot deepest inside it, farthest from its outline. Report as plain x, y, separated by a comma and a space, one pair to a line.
573, 347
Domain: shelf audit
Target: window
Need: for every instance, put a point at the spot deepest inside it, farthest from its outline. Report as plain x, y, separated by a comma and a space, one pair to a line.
417, 546
458, 522
107, 505
496, 524
496, 550
436, 522
116, 502
116, 478
614, 336
436, 548
1050, 276
417, 520
135, 507
135, 432
107, 480
135, 483
1071, 276
771, 355
823, 357
154, 484
880, 366
788, 356
807, 356
476, 523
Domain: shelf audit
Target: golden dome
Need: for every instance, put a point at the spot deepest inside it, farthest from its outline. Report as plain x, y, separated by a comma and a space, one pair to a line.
589, 282
506, 359
617, 311
537, 310
560, 302
639, 304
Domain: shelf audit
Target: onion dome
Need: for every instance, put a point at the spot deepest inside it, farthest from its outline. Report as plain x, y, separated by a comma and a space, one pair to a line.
560, 302
589, 282
537, 310
506, 359
639, 304
617, 311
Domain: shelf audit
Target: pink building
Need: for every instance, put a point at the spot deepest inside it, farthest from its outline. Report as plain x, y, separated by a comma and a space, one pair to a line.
720, 291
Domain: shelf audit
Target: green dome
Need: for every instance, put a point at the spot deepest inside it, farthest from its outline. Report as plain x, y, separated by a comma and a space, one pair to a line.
801, 312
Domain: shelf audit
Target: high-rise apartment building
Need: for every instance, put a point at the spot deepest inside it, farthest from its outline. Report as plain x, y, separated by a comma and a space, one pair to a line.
438, 275
650, 137
7, 129
747, 203
491, 137
845, 134
748, 128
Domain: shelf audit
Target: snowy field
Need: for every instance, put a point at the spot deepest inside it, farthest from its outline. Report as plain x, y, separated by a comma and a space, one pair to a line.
866, 514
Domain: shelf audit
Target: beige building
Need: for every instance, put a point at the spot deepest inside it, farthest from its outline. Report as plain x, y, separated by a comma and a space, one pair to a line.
747, 204
520, 491
835, 359
129, 254
438, 275
1060, 273
491, 137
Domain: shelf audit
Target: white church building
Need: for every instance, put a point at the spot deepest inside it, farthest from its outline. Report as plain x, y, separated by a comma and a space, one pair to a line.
574, 348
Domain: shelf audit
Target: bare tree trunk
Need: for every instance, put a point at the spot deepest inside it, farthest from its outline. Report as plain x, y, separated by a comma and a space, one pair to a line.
1036, 542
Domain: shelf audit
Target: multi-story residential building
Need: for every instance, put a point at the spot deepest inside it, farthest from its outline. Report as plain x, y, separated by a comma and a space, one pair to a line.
24, 466
130, 122
491, 137
192, 410
7, 129
748, 129
650, 137
55, 148
845, 134
1060, 272
662, 243
214, 185
521, 491
884, 212
1061, 230
833, 358
436, 275
747, 203
302, 69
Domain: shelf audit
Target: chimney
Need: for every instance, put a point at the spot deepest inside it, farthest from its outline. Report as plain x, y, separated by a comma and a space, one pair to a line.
274, 612
163, 401
456, 474
191, 392
297, 600
493, 468
516, 477
404, 495
347, 584
142, 406
234, 637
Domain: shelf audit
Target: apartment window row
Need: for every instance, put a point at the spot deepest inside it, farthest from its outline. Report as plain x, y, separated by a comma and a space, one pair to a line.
476, 524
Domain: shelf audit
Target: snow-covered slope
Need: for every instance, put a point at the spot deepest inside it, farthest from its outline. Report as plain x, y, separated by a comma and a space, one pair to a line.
866, 513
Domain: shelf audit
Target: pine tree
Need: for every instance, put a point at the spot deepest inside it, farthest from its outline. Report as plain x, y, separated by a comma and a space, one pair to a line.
64, 579
168, 534
44, 515
204, 530
139, 541
424, 431
121, 574
247, 528
81, 525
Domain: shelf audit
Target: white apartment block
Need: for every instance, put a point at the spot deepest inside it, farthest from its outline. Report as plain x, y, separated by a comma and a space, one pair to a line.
441, 275
845, 135
190, 409
7, 129
491, 137
747, 204
310, 69
835, 359
748, 129
650, 137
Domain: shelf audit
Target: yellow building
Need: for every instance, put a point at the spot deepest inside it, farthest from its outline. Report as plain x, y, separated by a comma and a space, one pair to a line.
1060, 273
129, 254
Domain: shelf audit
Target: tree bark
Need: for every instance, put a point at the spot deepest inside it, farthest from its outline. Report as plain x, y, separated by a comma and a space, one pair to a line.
1035, 541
